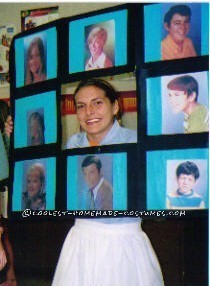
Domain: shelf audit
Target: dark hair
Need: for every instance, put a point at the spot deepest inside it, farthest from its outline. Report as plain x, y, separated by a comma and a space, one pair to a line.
109, 90
40, 119
185, 83
92, 160
4, 112
37, 116
188, 168
182, 10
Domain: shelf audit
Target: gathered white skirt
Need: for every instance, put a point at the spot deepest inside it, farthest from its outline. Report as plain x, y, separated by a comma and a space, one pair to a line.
98, 254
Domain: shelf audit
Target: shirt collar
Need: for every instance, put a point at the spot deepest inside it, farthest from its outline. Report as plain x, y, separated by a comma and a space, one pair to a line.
185, 195
112, 133
99, 62
96, 188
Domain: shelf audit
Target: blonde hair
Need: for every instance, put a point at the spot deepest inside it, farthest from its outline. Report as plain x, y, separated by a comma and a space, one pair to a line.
98, 32
40, 168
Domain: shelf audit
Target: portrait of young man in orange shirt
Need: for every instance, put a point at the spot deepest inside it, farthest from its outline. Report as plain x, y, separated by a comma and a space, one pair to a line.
176, 44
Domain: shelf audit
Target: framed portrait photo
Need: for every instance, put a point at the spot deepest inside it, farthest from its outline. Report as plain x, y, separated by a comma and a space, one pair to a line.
161, 21
178, 103
98, 41
182, 182
125, 86
35, 121
35, 57
34, 185
97, 182
100, 37
187, 186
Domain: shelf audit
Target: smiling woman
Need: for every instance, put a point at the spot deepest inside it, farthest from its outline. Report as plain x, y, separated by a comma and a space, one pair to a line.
116, 246
97, 108
36, 66
95, 112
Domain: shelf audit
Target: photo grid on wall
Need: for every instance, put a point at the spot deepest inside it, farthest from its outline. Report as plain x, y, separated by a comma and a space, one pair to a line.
161, 163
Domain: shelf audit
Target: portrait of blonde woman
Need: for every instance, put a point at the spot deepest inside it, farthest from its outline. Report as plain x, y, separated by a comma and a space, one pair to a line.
100, 46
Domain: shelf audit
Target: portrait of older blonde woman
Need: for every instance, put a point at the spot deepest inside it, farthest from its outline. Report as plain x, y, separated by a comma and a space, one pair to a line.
100, 46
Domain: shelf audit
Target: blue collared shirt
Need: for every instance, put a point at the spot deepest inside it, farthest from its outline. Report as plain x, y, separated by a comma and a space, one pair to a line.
116, 135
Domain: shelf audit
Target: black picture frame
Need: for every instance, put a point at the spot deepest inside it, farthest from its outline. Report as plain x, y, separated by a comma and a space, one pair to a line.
134, 62
122, 18
154, 30
123, 178
44, 168
43, 41
166, 197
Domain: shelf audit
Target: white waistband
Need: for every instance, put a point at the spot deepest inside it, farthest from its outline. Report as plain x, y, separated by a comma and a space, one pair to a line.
98, 227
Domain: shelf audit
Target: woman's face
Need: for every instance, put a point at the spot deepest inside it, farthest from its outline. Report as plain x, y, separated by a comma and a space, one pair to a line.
95, 111
36, 133
35, 60
34, 184
96, 46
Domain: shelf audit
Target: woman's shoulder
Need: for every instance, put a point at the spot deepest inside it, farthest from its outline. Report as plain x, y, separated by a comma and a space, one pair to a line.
129, 135
77, 140
119, 135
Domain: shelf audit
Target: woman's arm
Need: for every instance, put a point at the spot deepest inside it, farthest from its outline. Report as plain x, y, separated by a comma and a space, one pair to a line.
3, 258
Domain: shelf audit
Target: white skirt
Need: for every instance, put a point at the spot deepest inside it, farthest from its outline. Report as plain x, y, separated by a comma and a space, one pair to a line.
98, 254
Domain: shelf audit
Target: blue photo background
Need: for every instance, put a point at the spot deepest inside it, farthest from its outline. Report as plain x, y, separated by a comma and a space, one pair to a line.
77, 39
49, 38
155, 32
19, 185
46, 101
160, 117
114, 167
157, 174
